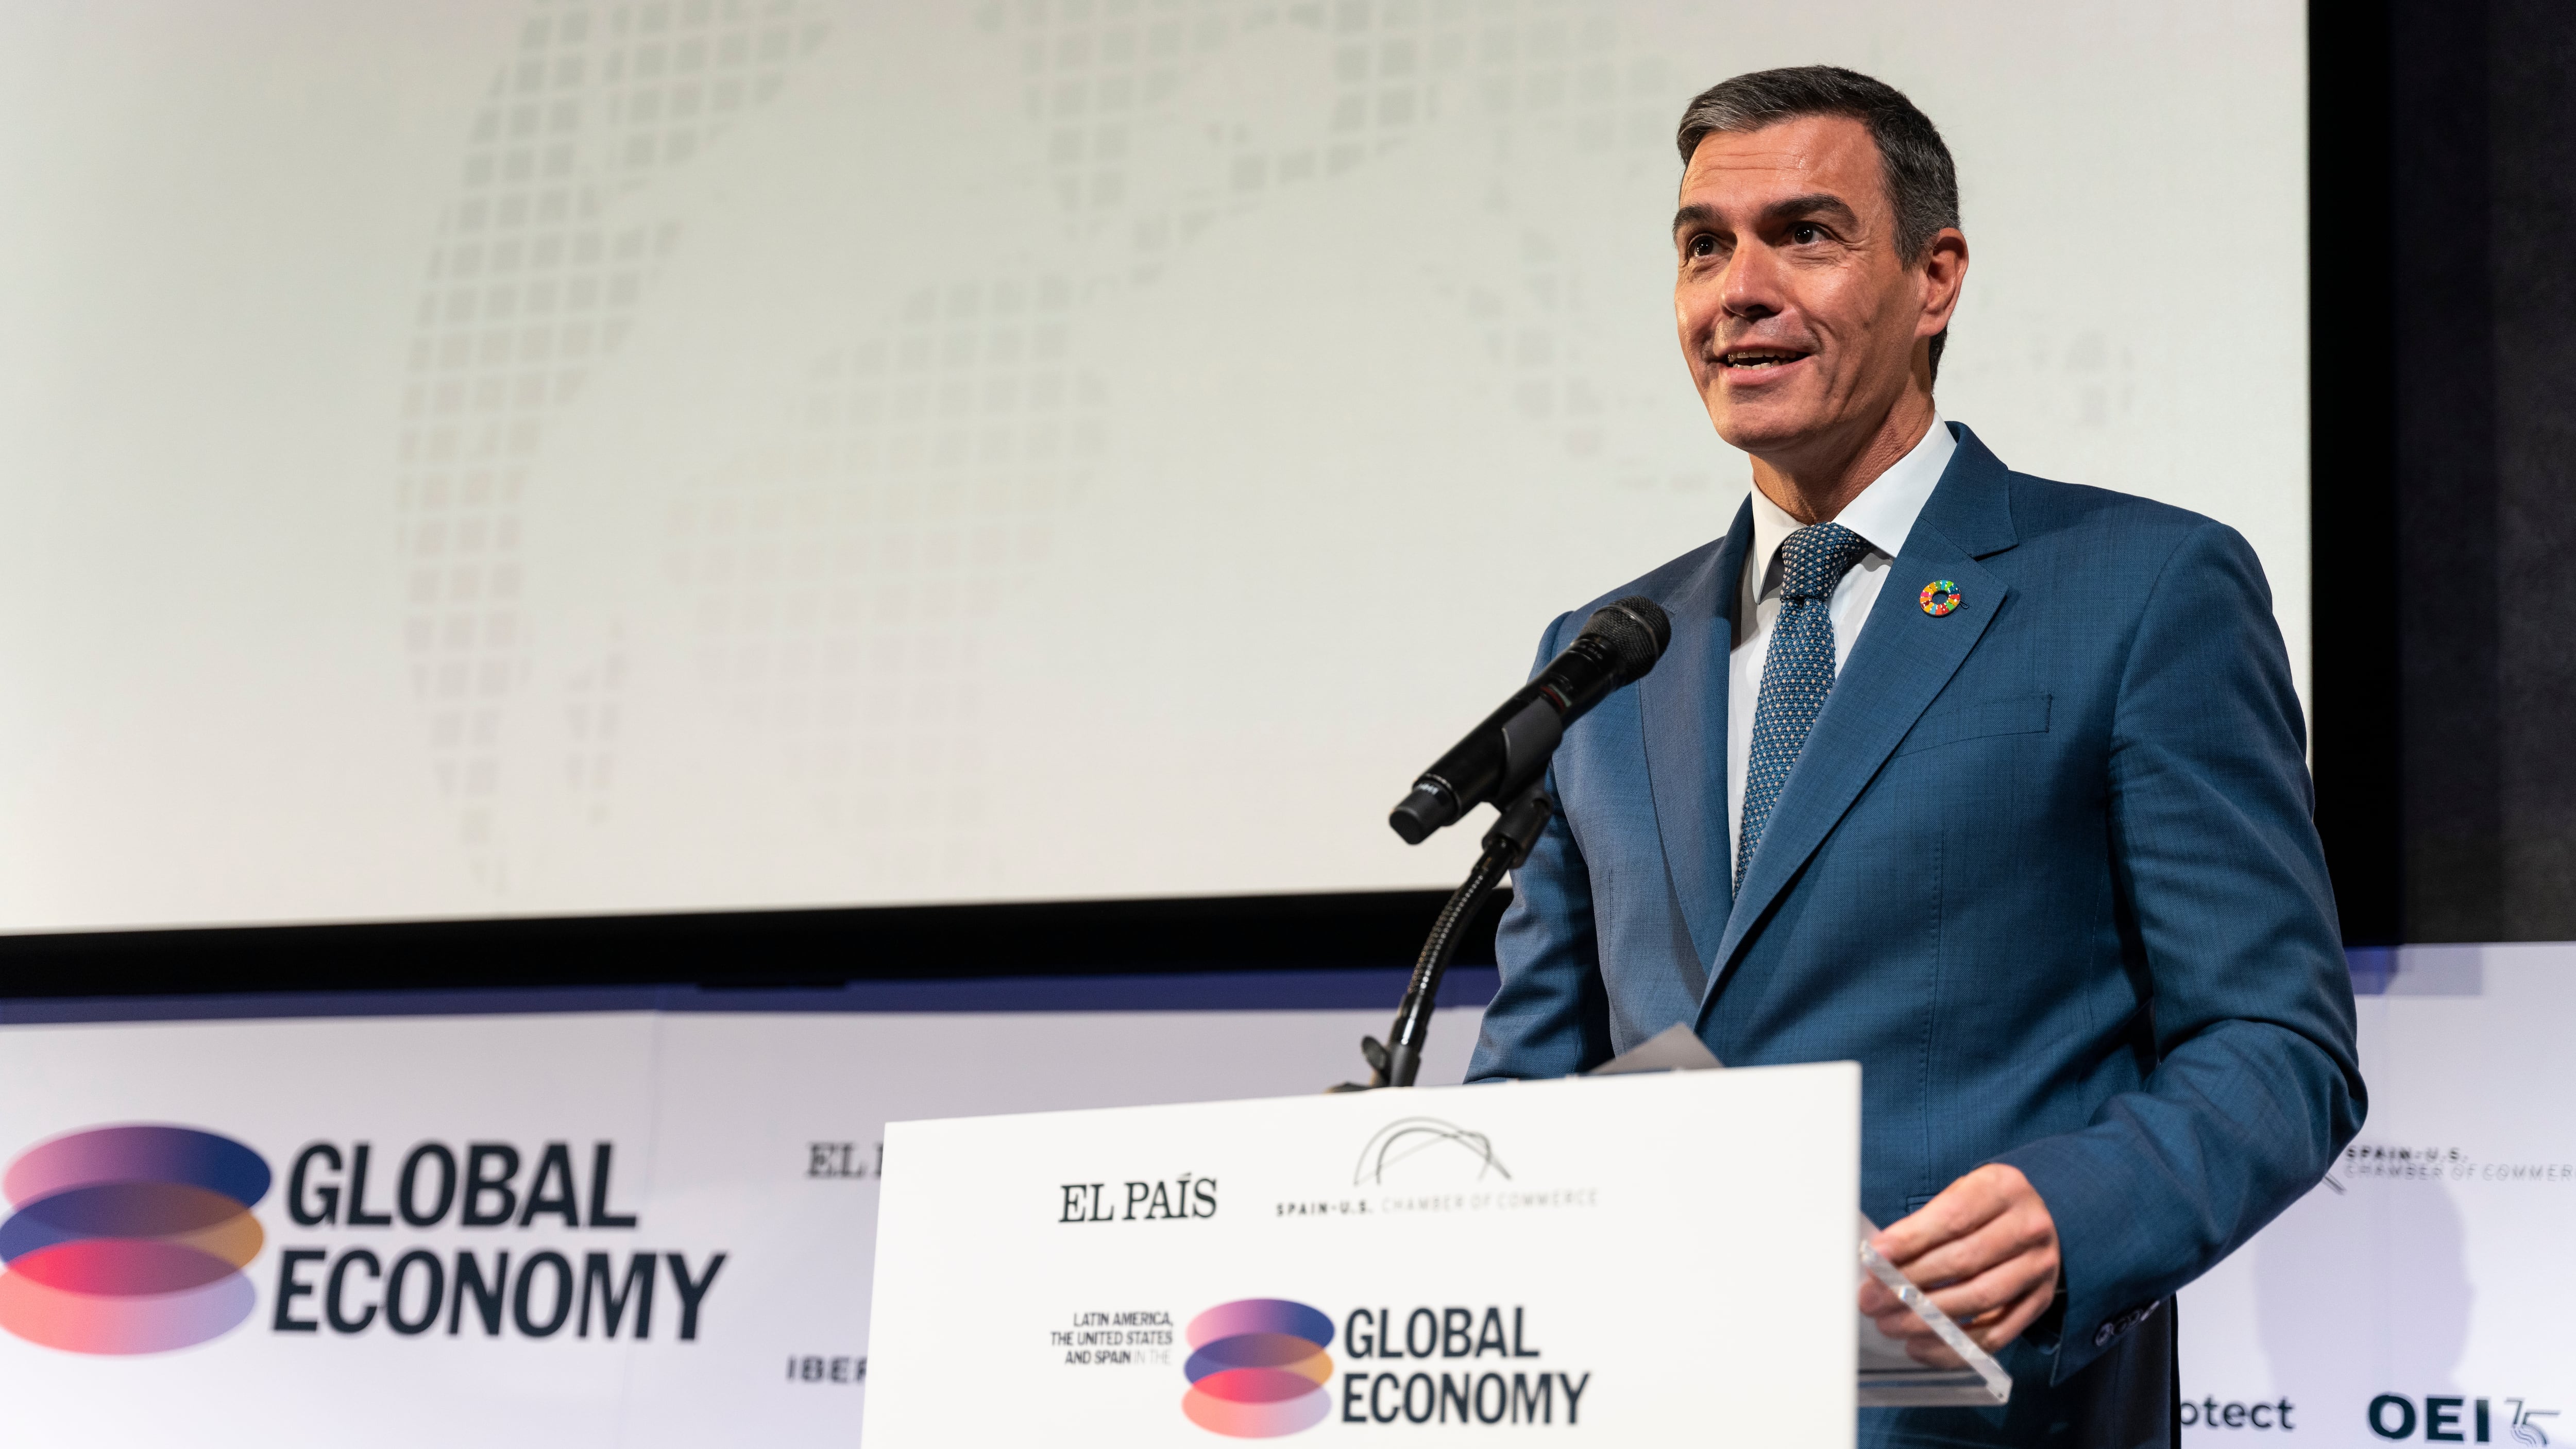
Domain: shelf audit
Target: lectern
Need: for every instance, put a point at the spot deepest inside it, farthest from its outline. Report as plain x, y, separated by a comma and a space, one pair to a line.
1662, 1257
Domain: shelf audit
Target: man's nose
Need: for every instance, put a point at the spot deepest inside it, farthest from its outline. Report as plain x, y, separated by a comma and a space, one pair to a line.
1750, 288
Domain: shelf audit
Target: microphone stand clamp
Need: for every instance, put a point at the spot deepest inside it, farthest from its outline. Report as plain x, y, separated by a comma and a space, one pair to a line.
1525, 816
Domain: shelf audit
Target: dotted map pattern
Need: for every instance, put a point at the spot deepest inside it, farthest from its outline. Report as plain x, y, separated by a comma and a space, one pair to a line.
840, 577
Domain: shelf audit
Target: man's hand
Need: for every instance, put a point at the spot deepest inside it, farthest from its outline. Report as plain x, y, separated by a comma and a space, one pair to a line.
1986, 1251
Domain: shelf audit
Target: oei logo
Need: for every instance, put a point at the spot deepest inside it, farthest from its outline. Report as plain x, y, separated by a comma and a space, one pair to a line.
2456, 1419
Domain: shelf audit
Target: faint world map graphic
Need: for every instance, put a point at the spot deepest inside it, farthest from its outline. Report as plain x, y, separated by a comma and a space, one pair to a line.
839, 575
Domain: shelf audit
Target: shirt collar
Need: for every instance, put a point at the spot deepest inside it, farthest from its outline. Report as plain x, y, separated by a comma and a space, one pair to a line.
1883, 514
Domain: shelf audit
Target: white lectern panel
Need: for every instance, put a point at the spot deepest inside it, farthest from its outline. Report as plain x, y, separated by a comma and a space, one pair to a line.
1647, 1259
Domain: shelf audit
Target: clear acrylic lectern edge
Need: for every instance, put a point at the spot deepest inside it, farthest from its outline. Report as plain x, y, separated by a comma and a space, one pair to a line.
1890, 1378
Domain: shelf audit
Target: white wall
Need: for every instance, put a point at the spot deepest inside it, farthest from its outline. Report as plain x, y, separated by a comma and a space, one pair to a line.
956, 451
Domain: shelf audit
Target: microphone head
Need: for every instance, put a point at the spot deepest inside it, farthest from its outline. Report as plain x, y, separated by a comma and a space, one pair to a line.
1636, 629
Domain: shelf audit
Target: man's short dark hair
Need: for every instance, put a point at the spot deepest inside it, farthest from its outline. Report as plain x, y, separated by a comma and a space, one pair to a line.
1922, 184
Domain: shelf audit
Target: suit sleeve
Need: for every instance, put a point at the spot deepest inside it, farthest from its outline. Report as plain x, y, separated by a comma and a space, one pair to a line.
1551, 1017
2228, 911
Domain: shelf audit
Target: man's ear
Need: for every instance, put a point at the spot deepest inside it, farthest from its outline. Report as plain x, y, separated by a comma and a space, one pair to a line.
1945, 274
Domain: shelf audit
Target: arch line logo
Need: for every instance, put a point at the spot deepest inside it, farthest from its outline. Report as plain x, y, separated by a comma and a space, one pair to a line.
1258, 1369
130, 1239
1451, 1150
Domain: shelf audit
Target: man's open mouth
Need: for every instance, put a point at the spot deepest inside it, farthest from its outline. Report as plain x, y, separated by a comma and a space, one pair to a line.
1742, 358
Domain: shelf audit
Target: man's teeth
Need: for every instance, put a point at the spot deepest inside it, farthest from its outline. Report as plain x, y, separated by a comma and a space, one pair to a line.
1759, 359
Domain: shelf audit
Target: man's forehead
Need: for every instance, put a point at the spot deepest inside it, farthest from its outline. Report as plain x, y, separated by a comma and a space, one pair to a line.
1809, 154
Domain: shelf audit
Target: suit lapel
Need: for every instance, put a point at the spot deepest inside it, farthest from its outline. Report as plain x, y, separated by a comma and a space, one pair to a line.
1682, 706
1900, 664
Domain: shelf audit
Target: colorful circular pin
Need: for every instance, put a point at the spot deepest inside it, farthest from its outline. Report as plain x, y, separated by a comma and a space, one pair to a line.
1940, 597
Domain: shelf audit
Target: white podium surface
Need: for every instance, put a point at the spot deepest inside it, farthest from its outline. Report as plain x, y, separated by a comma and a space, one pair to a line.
1644, 1259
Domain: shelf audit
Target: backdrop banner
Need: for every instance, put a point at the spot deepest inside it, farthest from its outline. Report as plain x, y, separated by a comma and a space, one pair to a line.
2419, 1294
560, 1230
656, 1227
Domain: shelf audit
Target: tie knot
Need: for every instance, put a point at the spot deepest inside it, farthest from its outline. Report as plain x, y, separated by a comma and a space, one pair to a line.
1814, 559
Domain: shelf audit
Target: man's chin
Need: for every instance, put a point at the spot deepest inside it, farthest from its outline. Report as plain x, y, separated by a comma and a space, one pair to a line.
1767, 427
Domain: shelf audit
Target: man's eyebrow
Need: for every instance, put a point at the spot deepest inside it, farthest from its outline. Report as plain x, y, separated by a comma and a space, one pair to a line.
1814, 203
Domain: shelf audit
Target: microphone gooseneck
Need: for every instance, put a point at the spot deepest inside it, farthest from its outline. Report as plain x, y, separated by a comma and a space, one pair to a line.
1505, 760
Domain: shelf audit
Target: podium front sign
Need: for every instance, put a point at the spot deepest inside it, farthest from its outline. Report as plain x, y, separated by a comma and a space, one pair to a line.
1637, 1259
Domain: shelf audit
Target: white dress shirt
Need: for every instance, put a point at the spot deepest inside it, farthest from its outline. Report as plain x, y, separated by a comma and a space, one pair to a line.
1883, 515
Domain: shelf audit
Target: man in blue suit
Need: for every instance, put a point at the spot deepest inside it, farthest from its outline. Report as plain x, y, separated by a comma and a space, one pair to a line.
1992, 784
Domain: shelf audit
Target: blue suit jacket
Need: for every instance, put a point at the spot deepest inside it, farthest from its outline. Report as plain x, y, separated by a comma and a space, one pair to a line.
2045, 868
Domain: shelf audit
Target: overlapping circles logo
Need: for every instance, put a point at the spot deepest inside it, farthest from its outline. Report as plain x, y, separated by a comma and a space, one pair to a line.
1257, 1368
129, 1239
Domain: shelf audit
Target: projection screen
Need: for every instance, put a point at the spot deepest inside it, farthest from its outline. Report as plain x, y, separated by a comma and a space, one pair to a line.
500, 457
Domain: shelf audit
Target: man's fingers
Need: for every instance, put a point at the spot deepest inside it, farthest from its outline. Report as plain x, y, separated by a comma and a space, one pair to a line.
1994, 1335
1934, 1353
1959, 1209
1900, 1324
1921, 1343
1986, 1252
1876, 1300
1999, 1239
1981, 1303
1991, 1329
1999, 1287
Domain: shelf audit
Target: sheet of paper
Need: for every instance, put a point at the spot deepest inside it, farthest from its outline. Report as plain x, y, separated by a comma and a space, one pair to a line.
1674, 1049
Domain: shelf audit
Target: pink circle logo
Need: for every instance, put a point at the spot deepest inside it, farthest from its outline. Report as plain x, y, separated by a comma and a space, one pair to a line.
1258, 1368
130, 1239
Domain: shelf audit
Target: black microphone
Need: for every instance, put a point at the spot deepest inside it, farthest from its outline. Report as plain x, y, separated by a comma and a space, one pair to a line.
1504, 755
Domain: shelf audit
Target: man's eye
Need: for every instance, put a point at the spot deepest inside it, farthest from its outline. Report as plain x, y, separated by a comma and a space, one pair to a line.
1703, 245
1805, 232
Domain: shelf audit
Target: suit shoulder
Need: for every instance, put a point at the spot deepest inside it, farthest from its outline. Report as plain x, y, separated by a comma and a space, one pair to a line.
2139, 533
1666, 583
2042, 505
2118, 546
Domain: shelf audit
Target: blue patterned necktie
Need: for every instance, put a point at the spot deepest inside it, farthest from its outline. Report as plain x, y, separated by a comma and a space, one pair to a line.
1797, 670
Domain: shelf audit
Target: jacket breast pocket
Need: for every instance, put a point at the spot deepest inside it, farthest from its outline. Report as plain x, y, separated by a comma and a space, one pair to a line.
2025, 714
